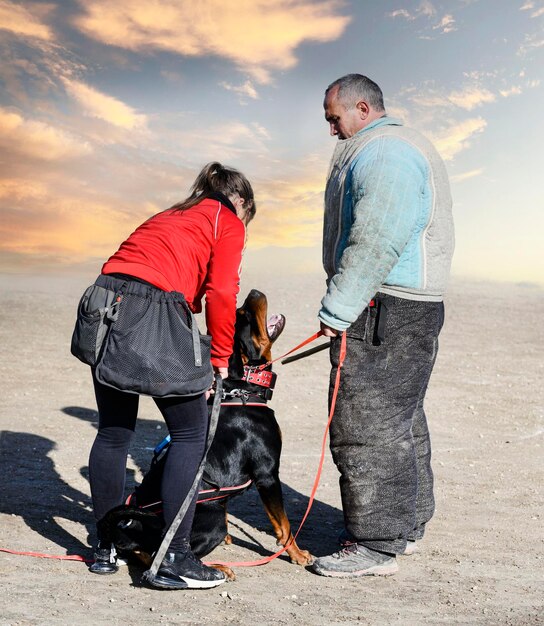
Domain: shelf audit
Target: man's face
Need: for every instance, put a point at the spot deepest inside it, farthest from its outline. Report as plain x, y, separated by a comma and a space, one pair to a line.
343, 123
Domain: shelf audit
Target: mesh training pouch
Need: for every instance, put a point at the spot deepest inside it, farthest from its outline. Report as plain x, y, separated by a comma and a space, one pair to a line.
97, 309
155, 348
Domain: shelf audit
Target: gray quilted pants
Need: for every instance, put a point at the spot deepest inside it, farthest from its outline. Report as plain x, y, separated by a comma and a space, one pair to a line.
379, 436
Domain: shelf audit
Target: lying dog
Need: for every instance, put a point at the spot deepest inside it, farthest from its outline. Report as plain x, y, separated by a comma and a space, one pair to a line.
246, 450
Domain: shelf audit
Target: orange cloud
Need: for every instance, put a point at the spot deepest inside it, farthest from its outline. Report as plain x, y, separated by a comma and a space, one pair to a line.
471, 97
466, 175
68, 229
17, 189
258, 35
37, 140
452, 140
46, 223
104, 107
22, 20
290, 211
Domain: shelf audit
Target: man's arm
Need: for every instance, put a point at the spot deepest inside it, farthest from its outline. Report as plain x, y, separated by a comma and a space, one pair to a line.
386, 186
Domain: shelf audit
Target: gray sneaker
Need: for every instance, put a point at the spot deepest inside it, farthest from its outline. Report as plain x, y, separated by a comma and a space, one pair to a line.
355, 560
411, 548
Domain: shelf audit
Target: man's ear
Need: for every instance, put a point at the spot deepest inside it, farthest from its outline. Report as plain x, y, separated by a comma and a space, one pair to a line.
363, 109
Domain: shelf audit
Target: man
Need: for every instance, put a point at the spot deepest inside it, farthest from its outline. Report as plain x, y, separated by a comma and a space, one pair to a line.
387, 247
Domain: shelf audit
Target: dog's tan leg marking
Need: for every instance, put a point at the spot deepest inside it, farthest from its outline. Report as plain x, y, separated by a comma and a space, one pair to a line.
228, 538
226, 570
282, 530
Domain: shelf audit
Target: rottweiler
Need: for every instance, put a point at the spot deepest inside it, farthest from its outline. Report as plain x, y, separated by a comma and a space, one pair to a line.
246, 450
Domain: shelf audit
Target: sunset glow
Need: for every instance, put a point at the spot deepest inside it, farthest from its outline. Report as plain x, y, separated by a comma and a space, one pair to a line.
108, 110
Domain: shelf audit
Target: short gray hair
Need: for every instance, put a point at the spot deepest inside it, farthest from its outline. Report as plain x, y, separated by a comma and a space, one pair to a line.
355, 87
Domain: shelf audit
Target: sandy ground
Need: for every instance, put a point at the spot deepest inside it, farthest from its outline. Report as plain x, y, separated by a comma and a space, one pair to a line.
480, 563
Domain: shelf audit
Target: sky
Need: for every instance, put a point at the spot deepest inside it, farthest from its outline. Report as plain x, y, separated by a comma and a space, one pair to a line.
108, 110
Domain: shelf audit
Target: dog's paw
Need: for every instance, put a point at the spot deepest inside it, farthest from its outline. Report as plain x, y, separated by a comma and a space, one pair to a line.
231, 576
228, 539
302, 557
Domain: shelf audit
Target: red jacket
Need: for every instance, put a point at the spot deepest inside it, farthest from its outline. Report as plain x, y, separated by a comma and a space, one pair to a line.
196, 252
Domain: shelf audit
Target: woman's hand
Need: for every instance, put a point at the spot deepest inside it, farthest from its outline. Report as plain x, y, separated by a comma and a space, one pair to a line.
223, 372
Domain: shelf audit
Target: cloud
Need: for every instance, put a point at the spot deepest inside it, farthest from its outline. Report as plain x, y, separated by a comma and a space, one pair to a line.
426, 9
529, 6
401, 13
238, 143
446, 24
38, 140
532, 42
257, 35
104, 107
21, 20
260, 130
471, 97
513, 91
457, 137
467, 98
247, 90
18, 189
466, 175
290, 211
63, 228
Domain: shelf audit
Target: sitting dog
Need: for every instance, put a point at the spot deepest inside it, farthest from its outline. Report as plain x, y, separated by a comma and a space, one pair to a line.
246, 450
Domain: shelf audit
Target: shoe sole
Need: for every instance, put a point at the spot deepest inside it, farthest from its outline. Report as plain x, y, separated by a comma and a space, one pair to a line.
162, 582
376, 570
411, 549
102, 573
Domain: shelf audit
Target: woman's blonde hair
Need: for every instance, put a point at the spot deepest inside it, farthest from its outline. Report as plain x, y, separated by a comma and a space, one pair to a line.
217, 178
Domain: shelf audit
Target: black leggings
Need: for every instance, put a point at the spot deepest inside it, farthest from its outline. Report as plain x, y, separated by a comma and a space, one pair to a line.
187, 422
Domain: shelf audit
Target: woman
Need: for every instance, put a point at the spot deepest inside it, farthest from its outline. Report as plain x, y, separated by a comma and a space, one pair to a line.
194, 248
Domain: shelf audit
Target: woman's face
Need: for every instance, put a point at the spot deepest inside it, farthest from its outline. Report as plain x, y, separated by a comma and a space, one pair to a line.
240, 206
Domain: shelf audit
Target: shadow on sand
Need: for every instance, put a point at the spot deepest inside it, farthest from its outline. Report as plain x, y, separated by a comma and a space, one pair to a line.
34, 490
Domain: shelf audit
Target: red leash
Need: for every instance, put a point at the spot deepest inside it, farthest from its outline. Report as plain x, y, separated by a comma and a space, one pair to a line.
66, 557
321, 460
318, 334
77, 557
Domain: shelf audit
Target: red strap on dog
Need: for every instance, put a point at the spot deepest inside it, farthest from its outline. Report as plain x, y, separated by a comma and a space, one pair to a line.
266, 560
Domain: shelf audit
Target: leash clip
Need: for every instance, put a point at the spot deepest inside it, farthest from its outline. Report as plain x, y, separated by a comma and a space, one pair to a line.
237, 393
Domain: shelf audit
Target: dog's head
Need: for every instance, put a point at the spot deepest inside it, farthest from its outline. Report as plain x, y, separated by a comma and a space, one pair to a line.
255, 333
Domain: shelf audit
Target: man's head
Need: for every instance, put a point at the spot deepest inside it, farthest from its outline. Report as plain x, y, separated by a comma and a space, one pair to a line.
351, 103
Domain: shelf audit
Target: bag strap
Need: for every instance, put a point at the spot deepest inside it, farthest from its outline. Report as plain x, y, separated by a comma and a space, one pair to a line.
150, 574
196, 340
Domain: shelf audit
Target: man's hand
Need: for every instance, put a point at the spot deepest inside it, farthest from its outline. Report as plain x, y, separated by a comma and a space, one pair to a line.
328, 331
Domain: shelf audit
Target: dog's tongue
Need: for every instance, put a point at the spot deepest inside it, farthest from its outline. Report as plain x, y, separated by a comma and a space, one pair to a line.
274, 325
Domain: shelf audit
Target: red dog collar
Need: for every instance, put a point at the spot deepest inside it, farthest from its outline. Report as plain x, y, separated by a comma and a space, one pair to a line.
263, 378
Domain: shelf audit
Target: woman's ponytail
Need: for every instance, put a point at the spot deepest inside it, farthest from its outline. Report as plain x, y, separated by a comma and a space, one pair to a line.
216, 178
